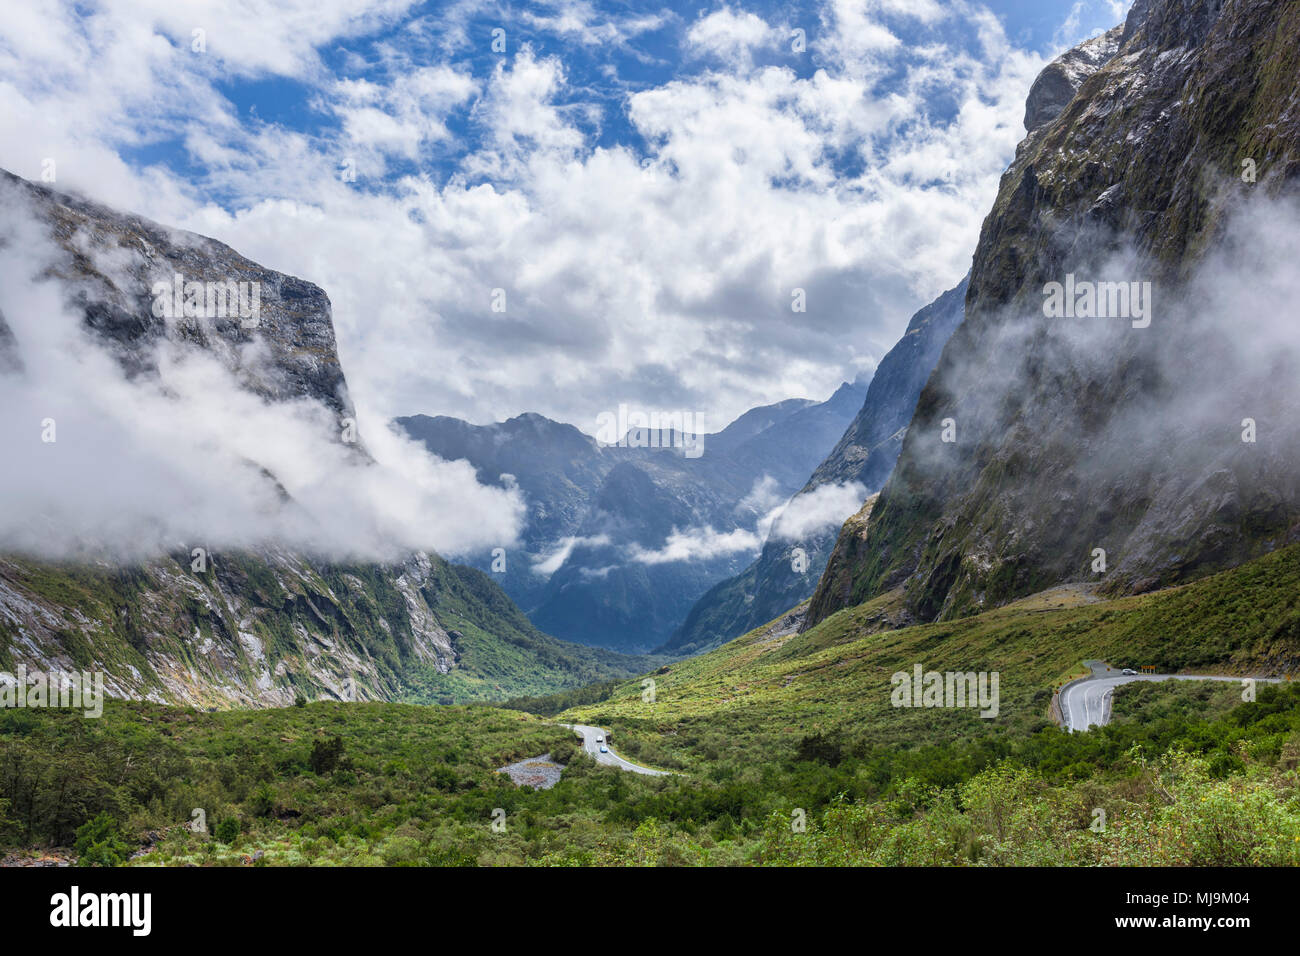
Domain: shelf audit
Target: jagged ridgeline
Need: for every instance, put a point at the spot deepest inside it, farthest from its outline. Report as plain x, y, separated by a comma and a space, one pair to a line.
1133, 444
263, 625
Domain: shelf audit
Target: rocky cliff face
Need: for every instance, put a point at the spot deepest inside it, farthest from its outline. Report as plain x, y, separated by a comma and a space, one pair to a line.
1061, 79
115, 263
1048, 449
864, 455
259, 627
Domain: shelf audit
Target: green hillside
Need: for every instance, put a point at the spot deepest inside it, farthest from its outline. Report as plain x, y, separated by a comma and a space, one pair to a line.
789, 750
264, 628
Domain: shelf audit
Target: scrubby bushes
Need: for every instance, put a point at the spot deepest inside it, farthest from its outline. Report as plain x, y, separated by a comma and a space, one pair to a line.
378, 784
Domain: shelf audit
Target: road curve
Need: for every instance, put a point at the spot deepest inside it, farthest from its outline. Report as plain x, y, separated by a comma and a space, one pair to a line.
610, 759
1086, 702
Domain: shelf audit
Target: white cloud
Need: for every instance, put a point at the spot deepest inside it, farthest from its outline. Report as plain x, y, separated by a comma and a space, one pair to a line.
657, 279
400, 118
145, 464
549, 563
763, 497
698, 544
823, 508
730, 37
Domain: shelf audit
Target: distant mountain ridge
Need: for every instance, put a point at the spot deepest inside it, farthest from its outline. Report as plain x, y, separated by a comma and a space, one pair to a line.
594, 564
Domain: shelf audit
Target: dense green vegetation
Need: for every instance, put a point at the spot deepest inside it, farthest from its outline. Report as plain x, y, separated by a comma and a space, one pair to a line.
378, 784
790, 750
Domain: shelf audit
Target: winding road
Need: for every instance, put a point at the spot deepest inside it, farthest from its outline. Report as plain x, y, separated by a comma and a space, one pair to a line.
609, 759
1085, 702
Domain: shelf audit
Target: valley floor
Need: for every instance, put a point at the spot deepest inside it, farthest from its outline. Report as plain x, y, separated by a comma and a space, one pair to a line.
787, 749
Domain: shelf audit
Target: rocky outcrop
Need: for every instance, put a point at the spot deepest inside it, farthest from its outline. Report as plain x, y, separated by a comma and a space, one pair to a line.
1102, 449
836, 582
1061, 79
115, 263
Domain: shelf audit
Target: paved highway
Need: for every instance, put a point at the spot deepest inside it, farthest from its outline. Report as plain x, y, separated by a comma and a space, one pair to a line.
1086, 702
610, 759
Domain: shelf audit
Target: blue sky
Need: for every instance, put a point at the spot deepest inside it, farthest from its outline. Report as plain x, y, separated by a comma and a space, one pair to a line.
601, 73
648, 185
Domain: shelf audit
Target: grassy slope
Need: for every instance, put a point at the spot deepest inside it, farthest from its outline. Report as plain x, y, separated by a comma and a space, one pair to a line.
128, 611
502, 653
762, 693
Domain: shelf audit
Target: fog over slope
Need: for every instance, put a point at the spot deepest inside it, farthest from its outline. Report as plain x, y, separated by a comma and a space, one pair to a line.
127, 433
1176, 164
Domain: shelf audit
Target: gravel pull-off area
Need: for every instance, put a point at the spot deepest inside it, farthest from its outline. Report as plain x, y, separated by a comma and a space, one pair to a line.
539, 772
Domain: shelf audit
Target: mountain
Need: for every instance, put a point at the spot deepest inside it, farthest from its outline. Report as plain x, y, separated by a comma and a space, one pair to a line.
863, 457
1114, 441
262, 625
622, 538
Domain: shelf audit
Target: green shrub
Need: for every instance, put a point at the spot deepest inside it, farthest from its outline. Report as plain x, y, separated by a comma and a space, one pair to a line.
326, 754
100, 842
227, 830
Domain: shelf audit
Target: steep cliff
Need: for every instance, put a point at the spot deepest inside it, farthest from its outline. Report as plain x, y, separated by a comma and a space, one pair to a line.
1112, 446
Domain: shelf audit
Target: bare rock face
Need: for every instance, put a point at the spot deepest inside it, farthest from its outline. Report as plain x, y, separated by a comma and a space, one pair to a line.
116, 262
836, 585
1073, 437
1061, 79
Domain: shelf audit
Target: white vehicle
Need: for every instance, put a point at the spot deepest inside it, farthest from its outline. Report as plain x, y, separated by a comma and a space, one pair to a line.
1128, 672
600, 739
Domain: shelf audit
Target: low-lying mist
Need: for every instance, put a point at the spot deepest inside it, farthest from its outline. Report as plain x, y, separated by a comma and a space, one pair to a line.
101, 463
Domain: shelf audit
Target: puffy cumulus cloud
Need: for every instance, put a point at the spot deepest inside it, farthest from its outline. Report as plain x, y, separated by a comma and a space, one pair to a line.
98, 463
85, 83
730, 36
656, 266
399, 118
